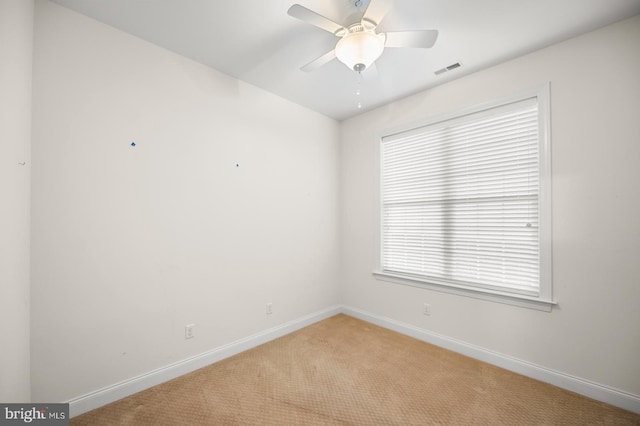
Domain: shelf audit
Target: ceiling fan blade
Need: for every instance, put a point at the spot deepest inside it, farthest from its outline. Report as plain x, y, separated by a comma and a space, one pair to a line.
318, 62
423, 39
376, 11
309, 16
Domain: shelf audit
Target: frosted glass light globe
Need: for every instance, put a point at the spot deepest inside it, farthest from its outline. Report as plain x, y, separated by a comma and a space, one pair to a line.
358, 50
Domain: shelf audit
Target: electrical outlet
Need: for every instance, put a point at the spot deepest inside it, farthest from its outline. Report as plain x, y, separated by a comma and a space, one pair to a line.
269, 311
427, 309
188, 331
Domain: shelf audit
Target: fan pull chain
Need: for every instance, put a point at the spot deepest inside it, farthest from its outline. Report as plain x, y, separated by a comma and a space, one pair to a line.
358, 89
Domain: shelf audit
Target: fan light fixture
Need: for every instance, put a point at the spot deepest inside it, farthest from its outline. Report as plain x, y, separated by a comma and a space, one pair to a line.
360, 45
358, 50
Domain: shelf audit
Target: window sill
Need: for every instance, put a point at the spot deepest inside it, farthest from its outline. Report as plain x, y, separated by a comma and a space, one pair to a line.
494, 296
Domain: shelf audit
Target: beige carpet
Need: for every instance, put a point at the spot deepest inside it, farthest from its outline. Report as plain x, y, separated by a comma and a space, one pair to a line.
343, 371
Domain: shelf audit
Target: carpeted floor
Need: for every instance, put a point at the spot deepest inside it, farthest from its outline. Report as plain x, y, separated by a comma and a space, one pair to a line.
343, 371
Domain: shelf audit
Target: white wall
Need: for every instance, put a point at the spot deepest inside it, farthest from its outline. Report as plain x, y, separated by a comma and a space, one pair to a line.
130, 244
16, 57
594, 333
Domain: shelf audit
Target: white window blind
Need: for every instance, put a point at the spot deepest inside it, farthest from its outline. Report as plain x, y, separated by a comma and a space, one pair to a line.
460, 201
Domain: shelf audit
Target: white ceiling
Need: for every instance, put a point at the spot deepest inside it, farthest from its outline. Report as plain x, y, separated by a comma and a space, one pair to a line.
257, 42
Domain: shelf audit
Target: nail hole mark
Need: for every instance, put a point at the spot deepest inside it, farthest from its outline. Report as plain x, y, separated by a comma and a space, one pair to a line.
133, 144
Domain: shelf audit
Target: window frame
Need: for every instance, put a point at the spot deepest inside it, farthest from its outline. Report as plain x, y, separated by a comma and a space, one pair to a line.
544, 301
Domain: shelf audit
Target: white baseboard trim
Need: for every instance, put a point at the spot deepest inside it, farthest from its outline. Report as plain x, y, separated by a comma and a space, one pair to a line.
589, 389
139, 383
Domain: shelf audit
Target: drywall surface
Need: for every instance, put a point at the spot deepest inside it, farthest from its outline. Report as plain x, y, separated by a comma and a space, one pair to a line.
227, 202
16, 57
594, 333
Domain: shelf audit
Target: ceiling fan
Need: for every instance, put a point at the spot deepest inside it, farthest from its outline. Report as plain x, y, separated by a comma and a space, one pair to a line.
360, 45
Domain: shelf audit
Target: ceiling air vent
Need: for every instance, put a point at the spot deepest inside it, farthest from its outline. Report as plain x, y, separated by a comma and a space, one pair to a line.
447, 68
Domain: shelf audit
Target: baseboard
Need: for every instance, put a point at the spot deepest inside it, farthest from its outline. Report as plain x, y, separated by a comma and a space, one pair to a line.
123, 389
589, 389
126, 388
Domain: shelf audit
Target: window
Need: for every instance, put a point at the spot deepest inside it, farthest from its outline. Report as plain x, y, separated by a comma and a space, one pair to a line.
465, 206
